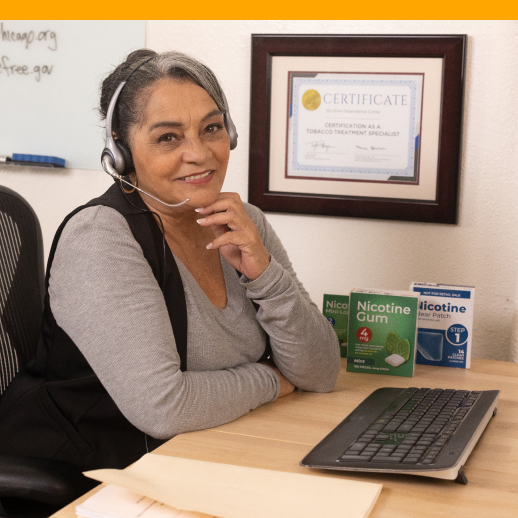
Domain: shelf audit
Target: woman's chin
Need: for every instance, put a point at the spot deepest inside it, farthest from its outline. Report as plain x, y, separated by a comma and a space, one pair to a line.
200, 197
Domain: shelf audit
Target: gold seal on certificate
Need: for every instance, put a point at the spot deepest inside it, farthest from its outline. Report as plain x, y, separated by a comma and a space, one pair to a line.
311, 100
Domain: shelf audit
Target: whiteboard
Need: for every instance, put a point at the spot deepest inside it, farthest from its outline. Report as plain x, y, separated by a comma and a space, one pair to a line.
50, 72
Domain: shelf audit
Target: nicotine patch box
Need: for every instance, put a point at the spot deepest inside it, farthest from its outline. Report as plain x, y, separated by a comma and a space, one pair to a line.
445, 324
382, 332
336, 310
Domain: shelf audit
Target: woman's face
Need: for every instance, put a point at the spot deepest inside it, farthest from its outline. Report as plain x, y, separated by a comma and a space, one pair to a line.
181, 148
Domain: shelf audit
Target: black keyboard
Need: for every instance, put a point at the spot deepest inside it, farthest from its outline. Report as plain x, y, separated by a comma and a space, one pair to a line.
416, 431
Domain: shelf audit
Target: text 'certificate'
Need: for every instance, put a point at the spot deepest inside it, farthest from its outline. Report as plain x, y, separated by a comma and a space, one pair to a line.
354, 126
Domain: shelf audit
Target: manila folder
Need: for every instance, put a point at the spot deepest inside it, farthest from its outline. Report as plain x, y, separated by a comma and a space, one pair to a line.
230, 491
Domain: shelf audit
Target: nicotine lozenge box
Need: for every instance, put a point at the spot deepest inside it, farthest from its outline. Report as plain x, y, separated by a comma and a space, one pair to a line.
336, 310
445, 324
382, 332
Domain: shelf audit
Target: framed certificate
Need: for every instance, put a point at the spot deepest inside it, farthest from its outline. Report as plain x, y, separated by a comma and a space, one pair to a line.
360, 126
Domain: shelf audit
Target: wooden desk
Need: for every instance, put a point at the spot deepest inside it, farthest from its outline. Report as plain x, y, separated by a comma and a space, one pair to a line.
278, 435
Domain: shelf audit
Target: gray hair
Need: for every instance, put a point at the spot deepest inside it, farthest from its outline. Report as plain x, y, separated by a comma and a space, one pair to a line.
167, 65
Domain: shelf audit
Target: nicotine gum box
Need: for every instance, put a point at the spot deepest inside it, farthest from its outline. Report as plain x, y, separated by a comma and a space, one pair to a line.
382, 332
445, 324
336, 310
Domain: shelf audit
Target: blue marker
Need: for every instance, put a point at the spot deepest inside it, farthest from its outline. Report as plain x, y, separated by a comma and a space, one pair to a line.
38, 160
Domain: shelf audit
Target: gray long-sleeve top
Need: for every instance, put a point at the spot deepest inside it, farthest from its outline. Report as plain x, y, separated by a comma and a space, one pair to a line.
104, 296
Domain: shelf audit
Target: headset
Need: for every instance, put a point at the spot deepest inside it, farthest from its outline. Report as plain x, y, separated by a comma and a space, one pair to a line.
116, 158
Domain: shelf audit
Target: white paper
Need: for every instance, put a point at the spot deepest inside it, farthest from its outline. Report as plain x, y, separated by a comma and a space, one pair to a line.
118, 502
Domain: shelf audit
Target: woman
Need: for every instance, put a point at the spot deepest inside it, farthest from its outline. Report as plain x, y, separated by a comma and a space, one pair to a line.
138, 346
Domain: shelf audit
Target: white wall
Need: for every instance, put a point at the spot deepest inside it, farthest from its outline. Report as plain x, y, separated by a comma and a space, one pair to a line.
333, 255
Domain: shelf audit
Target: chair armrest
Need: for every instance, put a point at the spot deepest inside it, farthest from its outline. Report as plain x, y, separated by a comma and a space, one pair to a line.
45, 480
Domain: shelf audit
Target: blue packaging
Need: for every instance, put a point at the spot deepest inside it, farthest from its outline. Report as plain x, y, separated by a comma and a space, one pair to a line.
445, 324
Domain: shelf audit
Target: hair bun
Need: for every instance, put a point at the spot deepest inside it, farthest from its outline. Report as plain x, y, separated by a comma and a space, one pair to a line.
138, 55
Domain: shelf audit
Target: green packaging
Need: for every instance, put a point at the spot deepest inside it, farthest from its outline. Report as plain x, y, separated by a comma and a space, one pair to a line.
382, 332
336, 310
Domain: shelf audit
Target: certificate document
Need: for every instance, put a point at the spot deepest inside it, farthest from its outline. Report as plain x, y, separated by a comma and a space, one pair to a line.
354, 126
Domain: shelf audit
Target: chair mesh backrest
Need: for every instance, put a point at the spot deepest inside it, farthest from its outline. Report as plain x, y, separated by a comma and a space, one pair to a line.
21, 284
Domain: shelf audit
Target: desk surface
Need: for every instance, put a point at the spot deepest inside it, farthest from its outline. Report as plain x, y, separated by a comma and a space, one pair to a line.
278, 435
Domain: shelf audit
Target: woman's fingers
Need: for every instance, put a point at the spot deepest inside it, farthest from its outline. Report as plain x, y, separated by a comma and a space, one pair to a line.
227, 213
248, 256
226, 201
220, 218
236, 238
236, 235
243, 250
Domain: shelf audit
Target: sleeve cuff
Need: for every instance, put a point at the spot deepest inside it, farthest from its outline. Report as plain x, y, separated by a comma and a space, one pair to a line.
267, 284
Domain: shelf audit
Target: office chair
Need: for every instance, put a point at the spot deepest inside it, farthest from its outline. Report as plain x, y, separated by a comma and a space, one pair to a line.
29, 487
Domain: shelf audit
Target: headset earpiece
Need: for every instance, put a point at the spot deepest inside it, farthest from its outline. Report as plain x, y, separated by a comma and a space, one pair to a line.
231, 130
120, 156
229, 124
129, 167
112, 151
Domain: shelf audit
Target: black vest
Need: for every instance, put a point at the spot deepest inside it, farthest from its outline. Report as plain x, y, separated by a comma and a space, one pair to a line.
57, 407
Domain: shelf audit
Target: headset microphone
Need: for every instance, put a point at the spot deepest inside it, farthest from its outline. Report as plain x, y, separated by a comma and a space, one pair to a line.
107, 166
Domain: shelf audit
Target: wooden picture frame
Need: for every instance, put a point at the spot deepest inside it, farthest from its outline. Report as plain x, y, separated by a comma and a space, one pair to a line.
284, 176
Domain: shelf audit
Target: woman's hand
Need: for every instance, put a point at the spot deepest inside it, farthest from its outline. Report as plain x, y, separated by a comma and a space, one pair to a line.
237, 237
286, 386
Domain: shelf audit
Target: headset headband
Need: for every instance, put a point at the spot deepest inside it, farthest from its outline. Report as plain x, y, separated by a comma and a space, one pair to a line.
111, 149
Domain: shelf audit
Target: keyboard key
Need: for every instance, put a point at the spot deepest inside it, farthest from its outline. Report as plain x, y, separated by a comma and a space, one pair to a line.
357, 446
414, 456
418, 450
410, 461
350, 457
369, 451
377, 426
